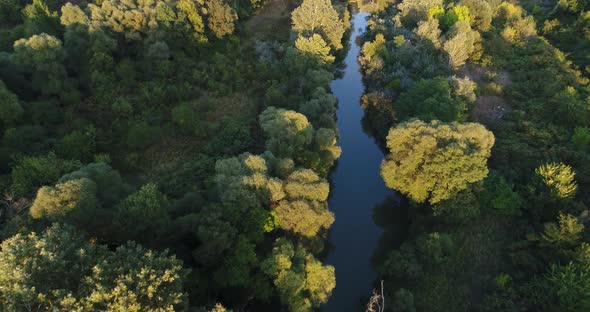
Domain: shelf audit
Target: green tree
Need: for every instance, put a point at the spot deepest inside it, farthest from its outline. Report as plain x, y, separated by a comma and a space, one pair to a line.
61, 270
581, 137
413, 11
480, 13
189, 12
9, 12
110, 185
566, 233
302, 281
40, 18
31, 172
458, 13
65, 201
79, 144
303, 217
429, 30
315, 46
429, 100
567, 288
320, 109
318, 17
461, 208
186, 117
143, 215
462, 43
221, 18
42, 56
500, 196
10, 109
134, 19
434, 161
287, 132
559, 178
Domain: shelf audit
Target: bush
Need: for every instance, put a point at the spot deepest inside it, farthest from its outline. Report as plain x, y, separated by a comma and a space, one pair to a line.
10, 108
46, 112
26, 139
581, 138
32, 172
186, 117
140, 135
79, 144
429, 100
231, 136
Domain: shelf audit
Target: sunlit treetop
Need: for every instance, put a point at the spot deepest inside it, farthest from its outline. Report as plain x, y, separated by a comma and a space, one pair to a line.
559, 178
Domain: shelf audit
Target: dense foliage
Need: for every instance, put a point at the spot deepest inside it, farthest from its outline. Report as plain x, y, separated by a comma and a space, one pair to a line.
166, 155
486, 125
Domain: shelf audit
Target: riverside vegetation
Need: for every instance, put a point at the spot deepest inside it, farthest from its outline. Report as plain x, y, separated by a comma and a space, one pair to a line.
487, 128
166, 155
174, 155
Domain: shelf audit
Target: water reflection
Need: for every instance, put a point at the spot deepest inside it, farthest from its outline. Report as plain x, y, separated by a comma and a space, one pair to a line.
356, 189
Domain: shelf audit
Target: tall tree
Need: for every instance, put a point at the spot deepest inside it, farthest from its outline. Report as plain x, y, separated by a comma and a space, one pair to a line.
61, 270
319, 17
434, 161
42, 56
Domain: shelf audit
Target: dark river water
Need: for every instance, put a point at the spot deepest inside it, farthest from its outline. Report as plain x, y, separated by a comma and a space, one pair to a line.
357, 189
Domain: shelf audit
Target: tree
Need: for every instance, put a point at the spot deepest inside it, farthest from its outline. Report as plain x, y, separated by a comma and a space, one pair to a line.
10, 109
9, 11
42, 56
461, 208
434, 161
110, 185
413, 11
143, 215
464, 87
566, 233
318, 17
72, 14
315, 46
31, 172
429, 30
461, 43
41, 17
232, 228
79, 144
65, 201
306, 184
61, 270
290, 135
567, 107
480, 13
500, 196
287, 132
303, 217
428, 100
232, 136
567, 288
187, 12
320, 109
140, 134
581, 137
133, 19
458, 13
221, 18
559, 178
301, 280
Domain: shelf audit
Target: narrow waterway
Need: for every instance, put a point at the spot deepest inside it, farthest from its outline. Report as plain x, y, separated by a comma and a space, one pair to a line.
357, 189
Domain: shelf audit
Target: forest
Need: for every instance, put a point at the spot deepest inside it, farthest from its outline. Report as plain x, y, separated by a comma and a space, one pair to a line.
178, 155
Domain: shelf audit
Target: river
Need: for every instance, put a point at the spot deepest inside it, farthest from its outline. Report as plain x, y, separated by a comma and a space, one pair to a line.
357, 189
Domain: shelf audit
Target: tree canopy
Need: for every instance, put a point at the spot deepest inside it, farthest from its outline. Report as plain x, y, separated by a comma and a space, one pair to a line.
433, 161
